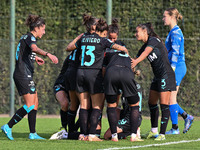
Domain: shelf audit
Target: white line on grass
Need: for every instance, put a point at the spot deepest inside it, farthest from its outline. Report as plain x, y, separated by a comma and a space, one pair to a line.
150, 145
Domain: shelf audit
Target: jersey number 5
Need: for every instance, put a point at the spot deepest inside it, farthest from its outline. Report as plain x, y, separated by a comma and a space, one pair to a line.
88, 51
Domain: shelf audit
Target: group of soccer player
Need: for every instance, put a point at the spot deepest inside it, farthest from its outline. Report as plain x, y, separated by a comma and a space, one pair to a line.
100, 68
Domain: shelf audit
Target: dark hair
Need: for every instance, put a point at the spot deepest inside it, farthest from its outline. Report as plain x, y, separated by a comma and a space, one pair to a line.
101, 25
150, 31
89, 21
33, 21
114, 28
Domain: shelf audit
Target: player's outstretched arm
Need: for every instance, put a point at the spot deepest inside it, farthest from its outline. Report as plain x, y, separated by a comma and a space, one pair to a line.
39, 51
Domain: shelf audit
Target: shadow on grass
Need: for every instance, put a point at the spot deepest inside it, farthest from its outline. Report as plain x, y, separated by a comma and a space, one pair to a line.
21, 135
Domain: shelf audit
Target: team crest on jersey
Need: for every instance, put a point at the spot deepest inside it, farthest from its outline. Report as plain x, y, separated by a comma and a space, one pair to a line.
33, 38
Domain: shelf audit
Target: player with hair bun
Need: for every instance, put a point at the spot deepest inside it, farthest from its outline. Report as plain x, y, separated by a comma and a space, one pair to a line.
23, 75
175, 47
120, 76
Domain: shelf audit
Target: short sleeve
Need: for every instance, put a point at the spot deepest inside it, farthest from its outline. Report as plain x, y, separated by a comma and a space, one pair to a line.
107, 43
30, 40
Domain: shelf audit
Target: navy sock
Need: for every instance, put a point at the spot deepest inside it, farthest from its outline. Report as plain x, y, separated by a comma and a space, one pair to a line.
134, 118
19, 115
154, 113
32, 120
94, 119
71, 115
112, 119
123, 135
164, 118
63, 116
83, 121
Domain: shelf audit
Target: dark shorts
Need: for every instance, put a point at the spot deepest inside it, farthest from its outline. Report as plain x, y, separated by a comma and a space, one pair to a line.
163, 85
25, 85
71, 78
89, 80
120, 78
59, 87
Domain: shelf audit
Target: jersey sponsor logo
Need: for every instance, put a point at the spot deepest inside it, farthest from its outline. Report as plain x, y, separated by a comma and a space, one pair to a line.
33, 38
152, 57
29, 76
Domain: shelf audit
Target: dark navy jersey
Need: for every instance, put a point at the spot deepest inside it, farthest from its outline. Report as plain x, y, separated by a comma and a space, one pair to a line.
25, 58
158, 58
74, 58
92, 50
116, 58
61, 77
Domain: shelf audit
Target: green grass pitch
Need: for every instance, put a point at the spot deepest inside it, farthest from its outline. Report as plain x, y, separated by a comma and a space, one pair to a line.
47, 126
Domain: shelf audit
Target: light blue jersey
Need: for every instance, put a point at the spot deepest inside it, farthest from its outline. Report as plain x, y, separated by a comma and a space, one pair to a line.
175, 47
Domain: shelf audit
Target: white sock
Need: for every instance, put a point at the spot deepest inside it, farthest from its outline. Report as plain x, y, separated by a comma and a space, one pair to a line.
154, 130
92, 135
133, 135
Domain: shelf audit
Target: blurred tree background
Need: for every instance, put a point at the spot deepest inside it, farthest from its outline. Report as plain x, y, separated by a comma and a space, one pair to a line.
64, 23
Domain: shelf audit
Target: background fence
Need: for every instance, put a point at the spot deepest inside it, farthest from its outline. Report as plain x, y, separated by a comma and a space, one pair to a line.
64, 23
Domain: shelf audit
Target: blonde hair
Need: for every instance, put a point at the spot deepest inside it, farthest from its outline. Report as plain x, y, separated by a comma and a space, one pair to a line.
174, 12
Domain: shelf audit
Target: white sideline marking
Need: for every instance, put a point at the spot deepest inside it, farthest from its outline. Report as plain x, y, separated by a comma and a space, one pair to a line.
169, 143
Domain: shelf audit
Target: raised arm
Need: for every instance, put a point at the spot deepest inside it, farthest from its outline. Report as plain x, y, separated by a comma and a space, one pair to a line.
72, 45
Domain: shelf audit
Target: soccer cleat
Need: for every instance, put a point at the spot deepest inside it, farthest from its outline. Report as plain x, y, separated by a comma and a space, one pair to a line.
160, 137
61, 134
173, 131
114, 139
188, 123
95, 138
136, 139
150, 135
35, 136
8, 131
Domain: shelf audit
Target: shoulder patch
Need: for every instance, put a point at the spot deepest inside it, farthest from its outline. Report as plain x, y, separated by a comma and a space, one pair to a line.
110, 40
33, 38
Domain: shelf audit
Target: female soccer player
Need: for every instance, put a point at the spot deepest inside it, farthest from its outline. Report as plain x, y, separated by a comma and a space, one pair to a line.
123, 126
23, 75
74, 61
164, 77
175, 47
89, 75
119, 76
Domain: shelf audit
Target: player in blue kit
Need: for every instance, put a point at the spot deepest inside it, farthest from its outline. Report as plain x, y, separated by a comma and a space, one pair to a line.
164, 77
175, 47
23, 75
